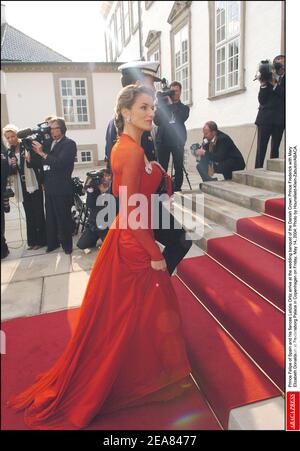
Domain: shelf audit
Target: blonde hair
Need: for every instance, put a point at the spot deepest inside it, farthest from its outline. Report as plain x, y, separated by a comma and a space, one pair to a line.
126, 99
10, 128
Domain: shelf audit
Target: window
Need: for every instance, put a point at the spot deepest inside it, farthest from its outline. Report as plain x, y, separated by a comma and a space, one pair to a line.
74, 100
134, 15
227, 47
155, 57
181, 60
112, 40
84, 156
126, 22
119, 37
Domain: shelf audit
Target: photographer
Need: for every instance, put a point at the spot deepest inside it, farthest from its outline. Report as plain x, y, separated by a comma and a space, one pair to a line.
170, 117
270, 119
98, 183
58, 168
4, 200
218, 154
26, 175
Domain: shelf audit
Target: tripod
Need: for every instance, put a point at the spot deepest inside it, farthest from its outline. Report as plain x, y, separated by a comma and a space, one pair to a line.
184, 171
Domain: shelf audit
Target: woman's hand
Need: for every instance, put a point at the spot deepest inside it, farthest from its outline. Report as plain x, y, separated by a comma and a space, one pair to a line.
13, 162
159, 265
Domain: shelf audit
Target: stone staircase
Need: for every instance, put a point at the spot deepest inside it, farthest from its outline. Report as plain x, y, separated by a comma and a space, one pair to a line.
256, 287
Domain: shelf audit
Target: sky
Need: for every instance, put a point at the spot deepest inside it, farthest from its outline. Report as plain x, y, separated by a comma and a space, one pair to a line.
74, 29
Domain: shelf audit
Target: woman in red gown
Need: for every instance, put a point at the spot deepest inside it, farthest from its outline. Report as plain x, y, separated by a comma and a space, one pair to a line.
127, 348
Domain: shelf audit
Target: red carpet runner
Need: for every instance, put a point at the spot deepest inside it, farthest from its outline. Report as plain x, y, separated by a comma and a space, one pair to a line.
257, 267
34, 344
275, 207
225, 374
255, 324
265, 231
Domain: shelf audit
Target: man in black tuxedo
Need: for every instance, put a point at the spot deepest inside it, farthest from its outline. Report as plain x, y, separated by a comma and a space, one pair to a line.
174, 239
58, 168
270, 119
218, 153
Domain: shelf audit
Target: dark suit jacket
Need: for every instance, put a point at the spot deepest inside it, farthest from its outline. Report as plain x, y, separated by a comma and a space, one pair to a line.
224, 149
58, 180
171, 135
271, 105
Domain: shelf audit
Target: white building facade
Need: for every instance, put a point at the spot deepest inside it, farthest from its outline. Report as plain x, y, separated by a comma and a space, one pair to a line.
212, 47
83, 93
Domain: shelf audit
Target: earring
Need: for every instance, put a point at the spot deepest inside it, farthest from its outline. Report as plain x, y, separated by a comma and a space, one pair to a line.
128, 119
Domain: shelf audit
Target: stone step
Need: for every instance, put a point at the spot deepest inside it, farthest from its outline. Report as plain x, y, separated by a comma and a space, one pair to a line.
244, 195
261, 178
276, 164
220, 211
205, 228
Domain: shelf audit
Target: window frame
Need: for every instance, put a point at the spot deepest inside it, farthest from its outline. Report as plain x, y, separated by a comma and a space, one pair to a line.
119, 38
75, 97
75, 74
182, 20
239, 36
134, 26
126, 38
112, 38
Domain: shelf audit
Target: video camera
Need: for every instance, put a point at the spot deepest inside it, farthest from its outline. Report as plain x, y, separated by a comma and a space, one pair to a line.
91, 186
197, 146
40, 133
77, 185
165, 92
94, 179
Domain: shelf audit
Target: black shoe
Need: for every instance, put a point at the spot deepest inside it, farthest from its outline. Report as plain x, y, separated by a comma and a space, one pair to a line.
50, 249
68, 251
4, 254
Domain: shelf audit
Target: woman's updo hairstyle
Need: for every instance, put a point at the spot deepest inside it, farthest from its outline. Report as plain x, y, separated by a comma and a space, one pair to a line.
126, 99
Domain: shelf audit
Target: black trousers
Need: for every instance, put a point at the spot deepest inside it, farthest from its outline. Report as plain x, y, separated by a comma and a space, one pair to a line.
90, 237
59, 221
35, 218
4, 248
264, 132
174, 240
178, 155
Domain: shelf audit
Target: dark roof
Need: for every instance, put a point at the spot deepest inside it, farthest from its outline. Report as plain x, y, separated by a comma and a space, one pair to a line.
17, 46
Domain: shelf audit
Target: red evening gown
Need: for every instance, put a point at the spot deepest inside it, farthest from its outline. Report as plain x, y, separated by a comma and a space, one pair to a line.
128, 346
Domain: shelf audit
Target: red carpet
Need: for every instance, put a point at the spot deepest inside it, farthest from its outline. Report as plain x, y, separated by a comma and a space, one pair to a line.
34, 344
265, 231
275, 207
254, 323
257, 267
226, 375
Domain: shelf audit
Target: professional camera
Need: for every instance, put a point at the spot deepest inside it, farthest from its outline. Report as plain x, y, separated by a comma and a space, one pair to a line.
197, 146
165, 92
265, 71
77, 185
94, 179
40, 133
